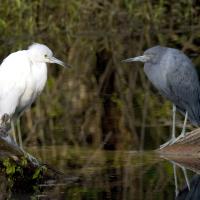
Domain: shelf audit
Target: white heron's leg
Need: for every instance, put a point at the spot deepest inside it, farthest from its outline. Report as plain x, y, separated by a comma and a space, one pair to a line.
175, 180
19, 133
173, 138
13, 131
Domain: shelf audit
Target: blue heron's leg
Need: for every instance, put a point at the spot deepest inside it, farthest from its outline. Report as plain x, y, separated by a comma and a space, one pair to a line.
173, 138
183, 129
174, 123
175, 179
184, 124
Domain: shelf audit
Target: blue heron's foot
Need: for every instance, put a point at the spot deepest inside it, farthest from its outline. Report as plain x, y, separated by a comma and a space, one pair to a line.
182, 135
171, 141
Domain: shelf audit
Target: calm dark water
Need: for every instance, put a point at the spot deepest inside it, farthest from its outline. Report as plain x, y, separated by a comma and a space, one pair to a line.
96, 174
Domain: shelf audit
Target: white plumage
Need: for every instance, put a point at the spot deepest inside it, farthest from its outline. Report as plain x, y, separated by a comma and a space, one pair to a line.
23, 75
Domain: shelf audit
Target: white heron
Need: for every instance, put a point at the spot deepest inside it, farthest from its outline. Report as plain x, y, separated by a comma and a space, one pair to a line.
23, 75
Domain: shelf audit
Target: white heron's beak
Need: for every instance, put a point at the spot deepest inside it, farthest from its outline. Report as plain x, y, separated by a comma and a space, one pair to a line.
59, 62
143, 58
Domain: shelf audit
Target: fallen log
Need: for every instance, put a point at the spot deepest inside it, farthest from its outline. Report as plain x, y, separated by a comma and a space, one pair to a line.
21, 171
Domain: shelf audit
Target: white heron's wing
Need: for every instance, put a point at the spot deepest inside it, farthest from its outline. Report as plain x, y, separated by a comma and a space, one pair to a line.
13, 72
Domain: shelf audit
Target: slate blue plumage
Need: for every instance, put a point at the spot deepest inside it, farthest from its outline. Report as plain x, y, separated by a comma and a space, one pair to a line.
175, 77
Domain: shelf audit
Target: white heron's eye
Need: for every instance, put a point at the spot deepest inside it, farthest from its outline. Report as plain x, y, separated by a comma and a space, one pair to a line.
45, 56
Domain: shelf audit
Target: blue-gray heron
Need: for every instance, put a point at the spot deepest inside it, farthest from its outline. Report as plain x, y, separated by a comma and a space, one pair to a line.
175, 77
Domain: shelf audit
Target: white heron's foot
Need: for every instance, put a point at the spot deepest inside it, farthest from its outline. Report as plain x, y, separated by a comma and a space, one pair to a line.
171, 141
31, 158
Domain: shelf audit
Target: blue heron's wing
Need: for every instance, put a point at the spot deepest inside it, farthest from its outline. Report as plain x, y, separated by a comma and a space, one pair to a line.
183, 87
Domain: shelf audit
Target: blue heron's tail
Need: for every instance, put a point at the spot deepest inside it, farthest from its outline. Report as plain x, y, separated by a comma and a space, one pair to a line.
194, 115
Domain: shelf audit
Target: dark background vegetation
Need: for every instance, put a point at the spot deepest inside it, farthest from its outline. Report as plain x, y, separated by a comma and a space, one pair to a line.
99, 101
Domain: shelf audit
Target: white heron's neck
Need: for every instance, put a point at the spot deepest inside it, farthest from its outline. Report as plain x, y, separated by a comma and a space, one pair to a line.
39, 75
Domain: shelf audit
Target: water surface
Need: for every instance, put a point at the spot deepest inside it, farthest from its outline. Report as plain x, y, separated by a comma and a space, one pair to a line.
97, 174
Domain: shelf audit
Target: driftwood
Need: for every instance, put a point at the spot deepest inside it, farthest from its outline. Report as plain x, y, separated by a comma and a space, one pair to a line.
189, 145
185, 152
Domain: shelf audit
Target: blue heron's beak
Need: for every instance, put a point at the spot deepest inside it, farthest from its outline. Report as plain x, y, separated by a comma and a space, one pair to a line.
57, 61
143, 58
